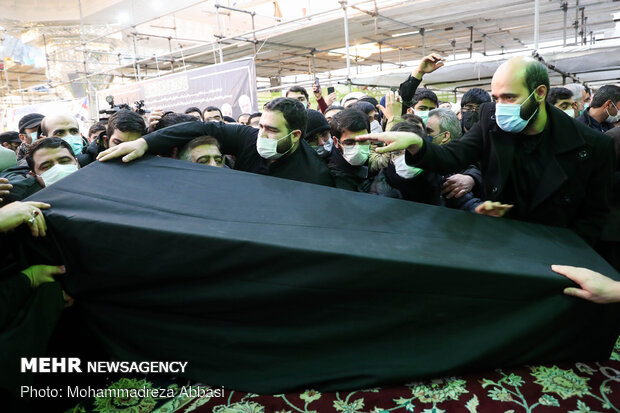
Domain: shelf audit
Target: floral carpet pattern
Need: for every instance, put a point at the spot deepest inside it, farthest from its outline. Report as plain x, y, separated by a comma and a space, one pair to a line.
562, 388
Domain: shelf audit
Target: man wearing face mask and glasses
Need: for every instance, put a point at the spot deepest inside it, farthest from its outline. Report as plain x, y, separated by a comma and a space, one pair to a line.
277, 148
470, 104
553, 169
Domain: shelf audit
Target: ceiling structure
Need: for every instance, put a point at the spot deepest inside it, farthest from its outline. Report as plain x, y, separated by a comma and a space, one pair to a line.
127, 40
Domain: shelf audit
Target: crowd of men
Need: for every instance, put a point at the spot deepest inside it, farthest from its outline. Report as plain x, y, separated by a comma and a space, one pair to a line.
527, 151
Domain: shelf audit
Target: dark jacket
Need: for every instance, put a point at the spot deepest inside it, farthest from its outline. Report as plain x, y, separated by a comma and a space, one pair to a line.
407, 91
575, 184
347, 176
239, 140
593, 123
24, 184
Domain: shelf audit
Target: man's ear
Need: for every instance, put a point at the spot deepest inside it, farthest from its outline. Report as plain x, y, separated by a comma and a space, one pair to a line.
446, 138
296, 136
541, 93
337, 142
6, 145
410, 111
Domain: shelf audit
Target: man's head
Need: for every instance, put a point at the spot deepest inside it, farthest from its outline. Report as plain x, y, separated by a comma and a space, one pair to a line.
10, 140
411, 118
423, 101
606, 104
470, 103
443, 126
368, 108
524, 82
331, 111
173, 118
281, 127
204, 150
579, 95
95, 130
345, 126
124, 126
243, 118
254, 119
318, 130
299, 93
562, 98
29, 127
50, 160
194, 111
212, 114
64, 127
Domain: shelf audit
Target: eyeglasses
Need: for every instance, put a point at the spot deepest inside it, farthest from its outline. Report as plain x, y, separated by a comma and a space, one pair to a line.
470, 108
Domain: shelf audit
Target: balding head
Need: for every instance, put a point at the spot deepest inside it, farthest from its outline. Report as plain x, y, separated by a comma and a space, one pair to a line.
59, 126
525, 70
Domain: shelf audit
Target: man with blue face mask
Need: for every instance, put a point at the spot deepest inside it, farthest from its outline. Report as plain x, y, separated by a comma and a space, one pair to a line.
29, 131
276, 148
65, 127
551, 168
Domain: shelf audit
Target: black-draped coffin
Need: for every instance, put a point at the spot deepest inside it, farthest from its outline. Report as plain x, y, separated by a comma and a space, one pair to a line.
267, 285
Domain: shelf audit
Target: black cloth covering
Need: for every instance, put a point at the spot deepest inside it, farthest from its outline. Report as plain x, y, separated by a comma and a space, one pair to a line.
266, 285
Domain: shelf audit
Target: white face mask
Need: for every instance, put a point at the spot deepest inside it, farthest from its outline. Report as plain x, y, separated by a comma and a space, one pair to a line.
268, 148
375, 127
356, 154
33, 136
612, 119
76, 142
57, 172
403, 170
329, 144
570, 112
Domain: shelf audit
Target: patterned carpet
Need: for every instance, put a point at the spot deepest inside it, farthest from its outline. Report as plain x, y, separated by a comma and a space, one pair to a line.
566, 387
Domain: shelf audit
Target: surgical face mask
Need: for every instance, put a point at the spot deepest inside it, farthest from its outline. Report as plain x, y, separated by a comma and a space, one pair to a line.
403, 170
356, 154
508, 116
57, 172
570, 112
437, 138
329, 144
76, 143
34, 136
422, 114
469, 119
375, 127
268, 148
613, 119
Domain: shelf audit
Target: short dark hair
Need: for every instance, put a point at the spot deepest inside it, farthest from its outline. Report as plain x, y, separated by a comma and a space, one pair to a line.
9, 136
558, 93
412, 118
193, 109
332, 107
535, 75
424, 93
172, 118
475, 95
97, 127
199, 141
293, 111
365, 107
370, 100
51, 143
126, 120
605, 93
298, 89
351, 119
409, 127
255, 115
211, 108
244, 114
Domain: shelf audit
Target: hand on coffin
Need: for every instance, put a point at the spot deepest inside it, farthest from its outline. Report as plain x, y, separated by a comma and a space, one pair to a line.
128, 150
18, 213
457, 185
40, 274
5, 188
595, 286
493, 209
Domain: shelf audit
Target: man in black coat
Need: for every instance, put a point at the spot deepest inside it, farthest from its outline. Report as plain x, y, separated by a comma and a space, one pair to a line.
553, 169
276, 149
